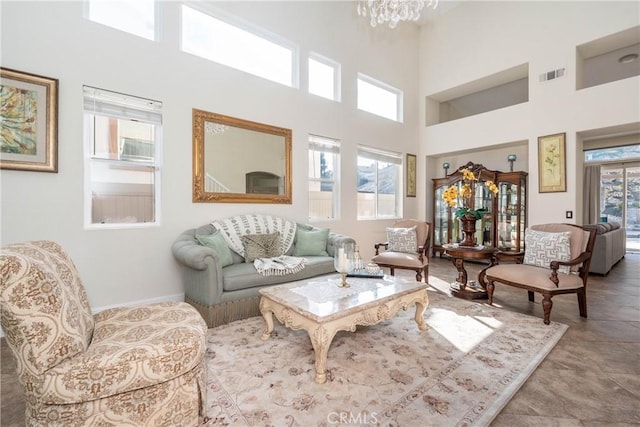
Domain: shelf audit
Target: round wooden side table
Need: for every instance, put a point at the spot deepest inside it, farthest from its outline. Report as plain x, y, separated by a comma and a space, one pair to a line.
458, 255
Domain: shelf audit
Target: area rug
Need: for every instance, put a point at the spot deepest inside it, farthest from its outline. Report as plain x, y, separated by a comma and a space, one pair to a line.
460, 372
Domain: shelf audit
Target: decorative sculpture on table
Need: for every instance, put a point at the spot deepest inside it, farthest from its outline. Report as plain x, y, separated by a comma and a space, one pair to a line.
461, 195
343, 261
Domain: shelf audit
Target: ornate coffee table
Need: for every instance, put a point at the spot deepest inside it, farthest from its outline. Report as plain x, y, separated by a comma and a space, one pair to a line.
321, 308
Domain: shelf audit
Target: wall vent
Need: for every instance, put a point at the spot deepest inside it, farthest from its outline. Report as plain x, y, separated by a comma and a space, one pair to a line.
550, 75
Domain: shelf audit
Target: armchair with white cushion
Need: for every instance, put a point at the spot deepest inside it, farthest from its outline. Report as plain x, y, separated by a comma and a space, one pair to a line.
555, 261
407, 247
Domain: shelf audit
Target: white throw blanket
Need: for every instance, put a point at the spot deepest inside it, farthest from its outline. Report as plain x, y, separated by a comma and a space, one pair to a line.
233, 228
279, 266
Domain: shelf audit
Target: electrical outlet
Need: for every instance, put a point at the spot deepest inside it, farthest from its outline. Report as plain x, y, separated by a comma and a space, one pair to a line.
569, 214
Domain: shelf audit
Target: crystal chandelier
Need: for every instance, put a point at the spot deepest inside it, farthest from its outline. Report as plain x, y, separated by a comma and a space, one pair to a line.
393, 11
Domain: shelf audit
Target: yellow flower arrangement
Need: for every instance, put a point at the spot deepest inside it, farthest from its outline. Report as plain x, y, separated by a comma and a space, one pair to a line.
450, 195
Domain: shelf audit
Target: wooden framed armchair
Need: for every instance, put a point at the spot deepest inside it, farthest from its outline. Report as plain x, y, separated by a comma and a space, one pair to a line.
555, 261
125, 366
407, 247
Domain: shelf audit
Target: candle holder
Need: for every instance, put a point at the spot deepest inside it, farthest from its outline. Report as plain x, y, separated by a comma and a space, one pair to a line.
343, 262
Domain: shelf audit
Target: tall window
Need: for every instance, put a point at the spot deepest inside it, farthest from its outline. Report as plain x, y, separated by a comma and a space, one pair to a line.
324, 164
123, 158
379, 98
379, 184
226, 44
135, 17
324, 77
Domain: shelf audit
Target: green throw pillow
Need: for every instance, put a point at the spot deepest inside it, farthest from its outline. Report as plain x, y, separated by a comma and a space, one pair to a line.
216, 242
261, 246
311, 242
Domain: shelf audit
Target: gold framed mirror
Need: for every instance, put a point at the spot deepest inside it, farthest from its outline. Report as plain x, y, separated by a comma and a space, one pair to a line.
239, 161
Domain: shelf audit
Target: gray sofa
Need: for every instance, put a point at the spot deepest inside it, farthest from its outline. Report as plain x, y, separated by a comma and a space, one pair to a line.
610, 247
224, 294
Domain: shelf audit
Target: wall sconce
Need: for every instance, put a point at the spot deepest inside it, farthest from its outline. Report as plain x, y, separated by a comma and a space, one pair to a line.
445, 166
511, 158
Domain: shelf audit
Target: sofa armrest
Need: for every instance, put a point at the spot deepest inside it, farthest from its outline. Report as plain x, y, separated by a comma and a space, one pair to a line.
190, 253
201, 269
337, 240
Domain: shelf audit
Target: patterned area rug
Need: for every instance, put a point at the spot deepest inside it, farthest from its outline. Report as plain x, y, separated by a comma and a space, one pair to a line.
460, 372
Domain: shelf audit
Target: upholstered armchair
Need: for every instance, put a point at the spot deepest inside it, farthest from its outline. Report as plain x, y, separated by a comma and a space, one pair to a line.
407, 247
124, 366
555, 261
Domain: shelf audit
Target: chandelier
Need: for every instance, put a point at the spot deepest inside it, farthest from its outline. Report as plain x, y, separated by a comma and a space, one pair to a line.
393, 11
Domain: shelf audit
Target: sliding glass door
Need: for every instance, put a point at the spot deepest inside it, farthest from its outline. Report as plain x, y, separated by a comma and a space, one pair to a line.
620, 199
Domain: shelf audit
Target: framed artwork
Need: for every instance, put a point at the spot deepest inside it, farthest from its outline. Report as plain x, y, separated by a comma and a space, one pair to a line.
552, 174
29, 116
411, 175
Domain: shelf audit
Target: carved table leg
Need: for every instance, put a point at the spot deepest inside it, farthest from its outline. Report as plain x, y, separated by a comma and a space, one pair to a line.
321, 341
421, 306
462, 273
268, 320
483, 273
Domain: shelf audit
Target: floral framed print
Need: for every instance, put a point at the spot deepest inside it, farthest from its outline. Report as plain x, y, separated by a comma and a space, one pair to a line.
411, 175
29, 116
552, 174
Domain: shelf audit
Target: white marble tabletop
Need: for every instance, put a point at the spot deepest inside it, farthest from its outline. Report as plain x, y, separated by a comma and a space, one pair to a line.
320, 298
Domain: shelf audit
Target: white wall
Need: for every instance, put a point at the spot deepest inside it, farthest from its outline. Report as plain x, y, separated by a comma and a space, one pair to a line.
121, 266
479, 39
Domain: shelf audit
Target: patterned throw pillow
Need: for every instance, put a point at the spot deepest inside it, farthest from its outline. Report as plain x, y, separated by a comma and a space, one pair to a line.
261, 246
542, 247
402, 239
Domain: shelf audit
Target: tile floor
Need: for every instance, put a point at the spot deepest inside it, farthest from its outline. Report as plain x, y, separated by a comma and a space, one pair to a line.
590, 378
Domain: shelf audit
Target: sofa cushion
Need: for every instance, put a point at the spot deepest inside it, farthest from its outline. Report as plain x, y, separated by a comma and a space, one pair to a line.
216, 242
402, 239
543, 247
244, 276
311, 242
261, 246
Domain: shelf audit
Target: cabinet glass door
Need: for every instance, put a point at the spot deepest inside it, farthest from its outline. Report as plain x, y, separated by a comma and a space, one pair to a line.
509, 203
441, 223
483, 199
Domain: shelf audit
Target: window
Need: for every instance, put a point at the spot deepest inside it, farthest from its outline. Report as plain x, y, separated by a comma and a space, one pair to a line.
379, 98
135, 17
123, 149
379, 184
210, 38
324, 164
324, 77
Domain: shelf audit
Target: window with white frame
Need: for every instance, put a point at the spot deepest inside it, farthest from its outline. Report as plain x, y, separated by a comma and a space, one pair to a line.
379, 98
379, 184
324, 77
134, 17
123, 135
269, 57
324, 166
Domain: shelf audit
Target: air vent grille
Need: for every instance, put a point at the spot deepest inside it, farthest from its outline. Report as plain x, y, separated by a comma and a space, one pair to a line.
553, 74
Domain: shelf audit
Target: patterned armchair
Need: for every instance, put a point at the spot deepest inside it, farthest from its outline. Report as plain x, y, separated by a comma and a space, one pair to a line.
128, 366
555, 261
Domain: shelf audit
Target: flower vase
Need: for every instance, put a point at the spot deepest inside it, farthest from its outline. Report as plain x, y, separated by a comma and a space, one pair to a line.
469, 230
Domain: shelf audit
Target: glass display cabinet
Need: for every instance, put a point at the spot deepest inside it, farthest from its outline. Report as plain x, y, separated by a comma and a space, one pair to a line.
511, 210
503, 224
